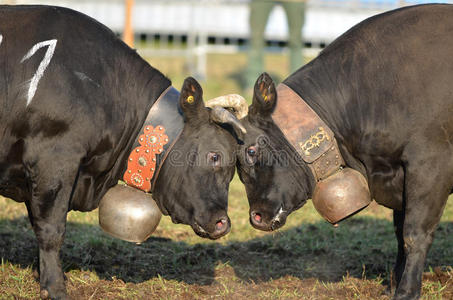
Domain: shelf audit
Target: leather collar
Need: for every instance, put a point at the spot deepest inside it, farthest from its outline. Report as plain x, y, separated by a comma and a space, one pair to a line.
310, 136
159, 133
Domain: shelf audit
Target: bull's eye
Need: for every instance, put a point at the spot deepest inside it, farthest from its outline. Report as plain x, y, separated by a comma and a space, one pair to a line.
214, 159
252, 153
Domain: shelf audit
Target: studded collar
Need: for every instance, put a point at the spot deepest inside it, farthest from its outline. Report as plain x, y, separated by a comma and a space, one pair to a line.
159, 133
310, 136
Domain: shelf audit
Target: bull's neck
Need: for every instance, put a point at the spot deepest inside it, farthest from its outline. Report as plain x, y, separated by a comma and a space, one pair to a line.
325, 88
320, 91
310, 136
140, 88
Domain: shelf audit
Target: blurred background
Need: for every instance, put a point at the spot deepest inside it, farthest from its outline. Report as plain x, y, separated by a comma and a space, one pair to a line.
210, 39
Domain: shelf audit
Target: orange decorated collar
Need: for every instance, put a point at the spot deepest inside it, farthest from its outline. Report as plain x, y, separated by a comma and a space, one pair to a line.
161, 129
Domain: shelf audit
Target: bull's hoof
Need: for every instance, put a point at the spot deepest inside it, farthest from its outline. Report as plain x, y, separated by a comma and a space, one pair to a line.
44, 294
35, 274
406, 296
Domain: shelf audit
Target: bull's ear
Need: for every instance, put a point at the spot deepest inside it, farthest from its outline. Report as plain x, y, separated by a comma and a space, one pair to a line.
191, 100
264, 96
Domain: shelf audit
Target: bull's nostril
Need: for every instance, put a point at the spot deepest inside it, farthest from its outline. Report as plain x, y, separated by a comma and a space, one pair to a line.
220, 224
256, 217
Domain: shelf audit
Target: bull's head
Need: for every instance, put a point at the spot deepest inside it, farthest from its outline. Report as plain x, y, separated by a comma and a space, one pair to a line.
192, 186
276, 180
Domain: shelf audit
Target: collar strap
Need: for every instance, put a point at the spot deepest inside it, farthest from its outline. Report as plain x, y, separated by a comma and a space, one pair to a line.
159, 133
313, 140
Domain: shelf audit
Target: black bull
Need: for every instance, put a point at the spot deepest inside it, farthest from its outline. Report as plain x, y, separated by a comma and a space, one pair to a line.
385, 88
73, 98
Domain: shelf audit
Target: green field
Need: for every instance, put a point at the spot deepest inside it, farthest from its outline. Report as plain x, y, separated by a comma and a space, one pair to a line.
307, 259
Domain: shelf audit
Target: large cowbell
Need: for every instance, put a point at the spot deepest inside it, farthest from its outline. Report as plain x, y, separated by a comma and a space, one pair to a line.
128, 214
341, 195
339, 191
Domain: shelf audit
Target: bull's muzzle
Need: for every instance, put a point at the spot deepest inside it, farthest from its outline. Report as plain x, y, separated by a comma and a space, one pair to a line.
260, 222
221, 227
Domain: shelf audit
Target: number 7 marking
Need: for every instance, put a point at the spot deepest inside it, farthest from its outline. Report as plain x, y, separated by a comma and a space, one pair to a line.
51, 44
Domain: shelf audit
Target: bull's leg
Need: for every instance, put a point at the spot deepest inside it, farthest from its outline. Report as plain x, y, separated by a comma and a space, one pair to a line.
49, 206
49, 227
426, 197
398, 222
30, 217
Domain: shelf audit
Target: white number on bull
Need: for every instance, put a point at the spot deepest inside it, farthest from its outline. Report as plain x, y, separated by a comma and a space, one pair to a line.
51, 44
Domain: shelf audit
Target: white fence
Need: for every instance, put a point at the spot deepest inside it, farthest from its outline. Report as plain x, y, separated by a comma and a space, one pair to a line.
195, 28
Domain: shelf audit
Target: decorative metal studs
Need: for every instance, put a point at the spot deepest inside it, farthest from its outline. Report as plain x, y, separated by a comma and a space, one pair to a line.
142, 161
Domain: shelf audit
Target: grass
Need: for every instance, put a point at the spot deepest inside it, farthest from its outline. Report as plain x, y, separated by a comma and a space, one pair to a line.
307, 259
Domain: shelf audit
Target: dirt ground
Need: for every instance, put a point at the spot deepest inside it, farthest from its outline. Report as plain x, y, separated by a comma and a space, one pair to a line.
227, 286
308, 260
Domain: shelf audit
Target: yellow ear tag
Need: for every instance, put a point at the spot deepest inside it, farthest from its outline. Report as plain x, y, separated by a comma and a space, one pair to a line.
265, 97
190, 99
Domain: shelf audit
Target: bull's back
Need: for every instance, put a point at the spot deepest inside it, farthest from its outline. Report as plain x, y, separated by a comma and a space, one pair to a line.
406, 87
387, 80
65, 45
67, 84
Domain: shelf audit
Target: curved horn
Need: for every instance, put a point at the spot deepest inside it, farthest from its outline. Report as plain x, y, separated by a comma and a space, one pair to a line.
234, 101
223, 116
